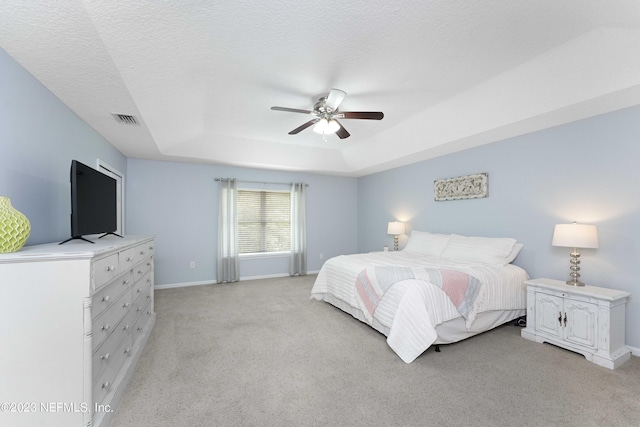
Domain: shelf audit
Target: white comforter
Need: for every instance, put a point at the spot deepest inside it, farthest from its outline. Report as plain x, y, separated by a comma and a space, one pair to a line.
411, 309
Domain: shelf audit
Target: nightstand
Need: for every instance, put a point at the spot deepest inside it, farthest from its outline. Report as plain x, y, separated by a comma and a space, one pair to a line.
588, 320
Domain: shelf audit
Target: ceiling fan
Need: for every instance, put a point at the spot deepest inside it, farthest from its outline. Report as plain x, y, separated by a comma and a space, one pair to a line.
326, 115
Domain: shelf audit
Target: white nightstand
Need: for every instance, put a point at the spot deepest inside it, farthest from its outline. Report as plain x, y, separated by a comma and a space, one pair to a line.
586, 319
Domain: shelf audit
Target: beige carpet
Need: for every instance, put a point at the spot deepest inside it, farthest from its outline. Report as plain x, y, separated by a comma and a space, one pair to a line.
260, 353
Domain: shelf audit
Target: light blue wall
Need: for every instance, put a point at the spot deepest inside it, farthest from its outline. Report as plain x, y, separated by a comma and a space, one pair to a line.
39, 136
585, 171
178, 203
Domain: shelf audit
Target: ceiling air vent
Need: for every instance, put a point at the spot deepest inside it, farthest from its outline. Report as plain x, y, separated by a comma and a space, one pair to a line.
125, 119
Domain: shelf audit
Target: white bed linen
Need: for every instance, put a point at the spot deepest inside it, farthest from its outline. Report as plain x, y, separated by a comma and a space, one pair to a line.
411, 309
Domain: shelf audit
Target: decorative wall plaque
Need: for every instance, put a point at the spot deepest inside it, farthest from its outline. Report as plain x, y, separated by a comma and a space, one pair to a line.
462, 187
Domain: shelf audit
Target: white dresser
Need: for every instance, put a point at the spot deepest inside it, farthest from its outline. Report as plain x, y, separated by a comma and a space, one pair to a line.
75, 319
586, 319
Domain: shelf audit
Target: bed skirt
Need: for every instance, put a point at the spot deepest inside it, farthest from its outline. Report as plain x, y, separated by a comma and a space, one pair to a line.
451, 331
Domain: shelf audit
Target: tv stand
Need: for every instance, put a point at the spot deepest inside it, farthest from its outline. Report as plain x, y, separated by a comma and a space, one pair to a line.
74, 238
113, 234
87, 240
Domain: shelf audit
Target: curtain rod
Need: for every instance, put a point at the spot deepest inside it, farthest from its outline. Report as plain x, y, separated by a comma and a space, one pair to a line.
261, 182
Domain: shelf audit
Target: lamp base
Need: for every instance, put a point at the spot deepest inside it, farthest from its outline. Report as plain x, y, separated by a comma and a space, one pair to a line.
575, 269
574, 283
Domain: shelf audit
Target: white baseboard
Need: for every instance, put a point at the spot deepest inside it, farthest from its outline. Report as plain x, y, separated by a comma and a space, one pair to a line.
182, 285
634, 351
271, 276
213, 282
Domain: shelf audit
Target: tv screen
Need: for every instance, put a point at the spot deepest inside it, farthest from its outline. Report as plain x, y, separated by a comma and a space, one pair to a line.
93, 201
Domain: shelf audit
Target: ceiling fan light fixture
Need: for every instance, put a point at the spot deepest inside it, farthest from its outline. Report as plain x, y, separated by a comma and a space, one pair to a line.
325, 126
332, 127
321, 126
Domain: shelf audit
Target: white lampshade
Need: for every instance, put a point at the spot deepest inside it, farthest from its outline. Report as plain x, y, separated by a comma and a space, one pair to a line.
396, 228
575, 236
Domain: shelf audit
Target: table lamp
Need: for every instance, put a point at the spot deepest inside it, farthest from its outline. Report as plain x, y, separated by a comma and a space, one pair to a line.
575, 236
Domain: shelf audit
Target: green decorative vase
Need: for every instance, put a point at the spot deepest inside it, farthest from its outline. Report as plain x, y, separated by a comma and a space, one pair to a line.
14, 227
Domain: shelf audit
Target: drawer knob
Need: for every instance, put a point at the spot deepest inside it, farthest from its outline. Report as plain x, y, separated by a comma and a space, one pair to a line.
139, 328
125, 328
126, 305
106, 298
138, 309
138, 290
148, 296
106, 327
125, 282
139, 271
142, 252
130, 258
111, 268
106, 385
127, 350
105, 357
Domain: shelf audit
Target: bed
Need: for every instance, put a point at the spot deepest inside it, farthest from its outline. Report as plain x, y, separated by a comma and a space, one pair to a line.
439, 289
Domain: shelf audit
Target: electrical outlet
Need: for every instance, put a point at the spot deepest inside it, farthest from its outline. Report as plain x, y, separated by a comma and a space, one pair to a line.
192, 264
321, 256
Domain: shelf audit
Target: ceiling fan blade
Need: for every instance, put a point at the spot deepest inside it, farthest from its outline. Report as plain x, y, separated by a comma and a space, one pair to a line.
342, 132
292, 110
370, 115
335, 98
303, 127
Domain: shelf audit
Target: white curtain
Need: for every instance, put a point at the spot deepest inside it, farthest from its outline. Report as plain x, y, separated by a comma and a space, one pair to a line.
228, 266
298, 258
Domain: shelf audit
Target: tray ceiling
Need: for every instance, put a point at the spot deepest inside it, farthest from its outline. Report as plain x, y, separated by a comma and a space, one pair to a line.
199, 77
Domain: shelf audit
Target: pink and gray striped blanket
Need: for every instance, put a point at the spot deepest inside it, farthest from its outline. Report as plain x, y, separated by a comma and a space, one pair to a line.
373, 282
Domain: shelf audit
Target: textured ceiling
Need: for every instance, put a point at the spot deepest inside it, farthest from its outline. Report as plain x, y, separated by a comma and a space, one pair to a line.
201, 75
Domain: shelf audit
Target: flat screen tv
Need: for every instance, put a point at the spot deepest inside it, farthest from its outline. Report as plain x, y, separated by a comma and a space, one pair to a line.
93, 202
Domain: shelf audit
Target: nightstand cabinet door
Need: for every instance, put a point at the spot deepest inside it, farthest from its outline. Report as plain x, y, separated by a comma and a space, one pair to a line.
581, 322
549, 314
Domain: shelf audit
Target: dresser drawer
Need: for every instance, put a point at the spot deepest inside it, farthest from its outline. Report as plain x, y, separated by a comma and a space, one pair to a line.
108, 321
141, 269
142, 285
142, 325
107, 295
141, 300
105, 270
106, 353
129, 257
106, 381
129, 321
145, 249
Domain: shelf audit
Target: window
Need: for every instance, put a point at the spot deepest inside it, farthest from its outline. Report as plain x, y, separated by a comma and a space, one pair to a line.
264, 221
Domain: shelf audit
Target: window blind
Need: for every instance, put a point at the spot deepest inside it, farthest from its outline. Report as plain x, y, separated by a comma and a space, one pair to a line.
264, 221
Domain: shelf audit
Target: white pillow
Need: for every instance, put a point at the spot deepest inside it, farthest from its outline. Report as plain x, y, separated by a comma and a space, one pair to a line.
427, 243
514, 253
487, 250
